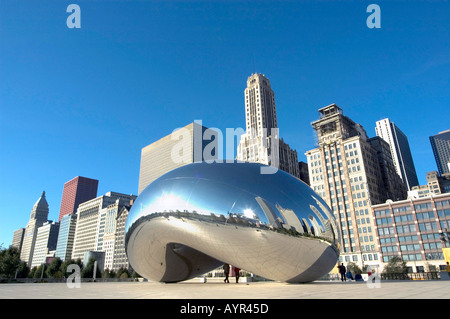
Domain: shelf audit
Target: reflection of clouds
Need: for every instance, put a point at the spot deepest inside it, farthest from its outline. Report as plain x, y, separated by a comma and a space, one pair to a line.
249, 213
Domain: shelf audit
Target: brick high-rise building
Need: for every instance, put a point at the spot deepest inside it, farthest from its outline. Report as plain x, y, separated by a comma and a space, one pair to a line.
76, 191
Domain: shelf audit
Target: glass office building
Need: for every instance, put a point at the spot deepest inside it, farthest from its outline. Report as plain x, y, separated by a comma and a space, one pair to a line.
66, 236
440, 144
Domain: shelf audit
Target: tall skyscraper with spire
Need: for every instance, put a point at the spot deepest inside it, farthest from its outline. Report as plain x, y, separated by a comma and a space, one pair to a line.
261, 142
38, 216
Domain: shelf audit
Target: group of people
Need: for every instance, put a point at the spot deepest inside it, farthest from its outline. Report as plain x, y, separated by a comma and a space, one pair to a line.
226, 270
347, 274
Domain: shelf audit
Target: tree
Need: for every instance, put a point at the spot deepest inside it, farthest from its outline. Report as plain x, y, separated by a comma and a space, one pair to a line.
122, 273
23, 270
66, 263
40, 271
88, 271
53, 270
354, 268
108, 273
396, 265
32, 272
9, 261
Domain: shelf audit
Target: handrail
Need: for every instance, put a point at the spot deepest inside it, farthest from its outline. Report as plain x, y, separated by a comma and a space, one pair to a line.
411, 276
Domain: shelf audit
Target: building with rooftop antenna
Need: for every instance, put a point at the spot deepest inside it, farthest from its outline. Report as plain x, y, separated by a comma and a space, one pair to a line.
261, 142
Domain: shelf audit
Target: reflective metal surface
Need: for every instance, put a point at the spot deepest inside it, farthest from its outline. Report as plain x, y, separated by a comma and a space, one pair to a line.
199, 216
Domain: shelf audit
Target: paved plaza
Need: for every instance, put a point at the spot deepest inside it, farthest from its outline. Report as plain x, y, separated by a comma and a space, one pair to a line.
429, 289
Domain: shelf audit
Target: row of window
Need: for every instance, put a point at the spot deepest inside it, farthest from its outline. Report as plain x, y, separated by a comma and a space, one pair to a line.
365, 230
442, 203
410, 228
354, 258
419, 208
410, 238
423, 206
443, 212
366, 239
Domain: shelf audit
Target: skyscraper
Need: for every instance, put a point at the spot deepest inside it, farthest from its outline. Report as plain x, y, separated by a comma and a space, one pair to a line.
393, 186
114, 236
260, 109
120, 259
183, 146
91, 222
18, 238
38, 217
400, 151
440, 144
66, 236
344, 169
261, 142
46, 239
76, 191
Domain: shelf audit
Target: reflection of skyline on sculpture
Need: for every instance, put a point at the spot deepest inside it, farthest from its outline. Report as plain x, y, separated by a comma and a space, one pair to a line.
228, 212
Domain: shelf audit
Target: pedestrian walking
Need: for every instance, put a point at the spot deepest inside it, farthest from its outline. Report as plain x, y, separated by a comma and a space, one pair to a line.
236, 272
226, 271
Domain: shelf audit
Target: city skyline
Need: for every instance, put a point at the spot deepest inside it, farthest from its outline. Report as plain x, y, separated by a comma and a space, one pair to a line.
85, 102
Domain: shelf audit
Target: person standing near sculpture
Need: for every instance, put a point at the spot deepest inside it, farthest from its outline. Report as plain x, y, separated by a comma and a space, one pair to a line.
342, 272
236, 273
226, 271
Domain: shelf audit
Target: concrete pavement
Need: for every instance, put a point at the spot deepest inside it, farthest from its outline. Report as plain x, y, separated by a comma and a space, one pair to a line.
430, 289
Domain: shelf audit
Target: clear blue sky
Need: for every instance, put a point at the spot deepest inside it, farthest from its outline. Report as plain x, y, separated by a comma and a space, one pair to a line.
85, 101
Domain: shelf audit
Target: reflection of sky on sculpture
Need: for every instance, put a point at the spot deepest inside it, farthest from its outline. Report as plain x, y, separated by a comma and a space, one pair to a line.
249, 213
184, 194
225, 189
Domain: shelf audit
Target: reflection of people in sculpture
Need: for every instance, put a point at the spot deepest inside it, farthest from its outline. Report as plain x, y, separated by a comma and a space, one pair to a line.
236, 271
226, 270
